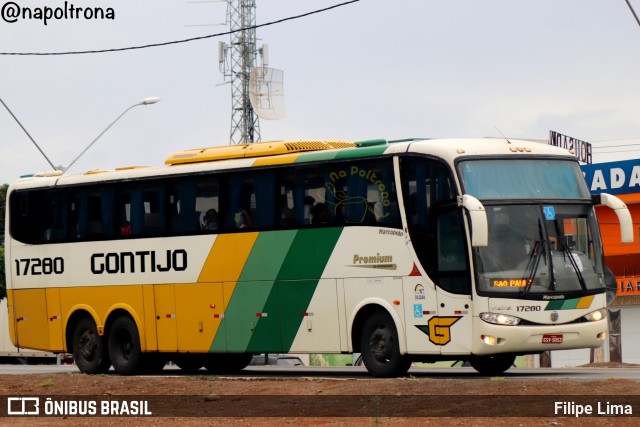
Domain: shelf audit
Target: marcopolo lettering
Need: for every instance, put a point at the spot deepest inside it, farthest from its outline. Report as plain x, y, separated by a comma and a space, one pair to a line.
139, 262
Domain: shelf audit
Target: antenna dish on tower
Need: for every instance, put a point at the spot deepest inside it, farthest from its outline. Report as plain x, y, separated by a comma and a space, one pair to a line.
266, 92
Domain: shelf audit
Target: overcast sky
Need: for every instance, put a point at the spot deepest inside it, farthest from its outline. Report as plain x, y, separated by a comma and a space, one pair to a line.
371, 69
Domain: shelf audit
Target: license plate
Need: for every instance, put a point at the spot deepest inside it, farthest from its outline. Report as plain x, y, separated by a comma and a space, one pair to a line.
552, 339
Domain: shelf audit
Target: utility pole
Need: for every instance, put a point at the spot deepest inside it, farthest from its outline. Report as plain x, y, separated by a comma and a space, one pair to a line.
236, 62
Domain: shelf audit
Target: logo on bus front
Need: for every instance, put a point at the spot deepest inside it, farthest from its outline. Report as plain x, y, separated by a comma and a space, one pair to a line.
439, 329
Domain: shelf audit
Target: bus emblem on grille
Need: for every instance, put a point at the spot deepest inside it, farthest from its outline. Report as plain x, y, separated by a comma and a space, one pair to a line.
554, 316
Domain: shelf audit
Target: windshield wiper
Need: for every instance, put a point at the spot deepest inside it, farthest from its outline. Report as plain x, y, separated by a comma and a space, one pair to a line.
534, 259
568, 255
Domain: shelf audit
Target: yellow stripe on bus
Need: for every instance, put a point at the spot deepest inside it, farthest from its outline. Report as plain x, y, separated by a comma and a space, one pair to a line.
585, 302
284, 159
227, 258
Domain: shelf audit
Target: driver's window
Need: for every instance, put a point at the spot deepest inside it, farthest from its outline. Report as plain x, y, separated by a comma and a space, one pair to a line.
453, 273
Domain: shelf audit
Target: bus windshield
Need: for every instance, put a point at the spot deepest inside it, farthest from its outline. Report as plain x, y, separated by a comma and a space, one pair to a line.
540, 249
523, 179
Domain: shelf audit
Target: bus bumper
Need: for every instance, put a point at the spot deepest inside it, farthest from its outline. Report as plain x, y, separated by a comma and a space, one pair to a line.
491, 339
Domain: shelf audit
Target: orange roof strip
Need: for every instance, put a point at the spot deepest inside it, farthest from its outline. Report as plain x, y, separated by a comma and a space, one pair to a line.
256, 149
285, 159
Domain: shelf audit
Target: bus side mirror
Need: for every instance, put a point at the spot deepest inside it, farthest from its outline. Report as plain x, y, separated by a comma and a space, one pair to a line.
478, 217
621, 210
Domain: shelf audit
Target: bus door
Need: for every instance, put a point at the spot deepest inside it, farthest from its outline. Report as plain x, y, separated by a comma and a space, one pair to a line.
166, 322
438, 305
451, 328
200, 309
38, 319
438, 239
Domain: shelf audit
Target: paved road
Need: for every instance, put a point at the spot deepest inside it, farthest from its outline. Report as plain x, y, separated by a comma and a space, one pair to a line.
356, 372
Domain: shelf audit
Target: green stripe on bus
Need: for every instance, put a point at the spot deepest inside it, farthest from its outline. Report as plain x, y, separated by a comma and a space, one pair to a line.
309, 253
296, 283
316, 156
268, 254
300, 274
362, 152
563, 305
345, 153
247, 304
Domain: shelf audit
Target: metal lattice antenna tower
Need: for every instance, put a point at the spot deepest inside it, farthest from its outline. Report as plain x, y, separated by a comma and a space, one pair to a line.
245, 127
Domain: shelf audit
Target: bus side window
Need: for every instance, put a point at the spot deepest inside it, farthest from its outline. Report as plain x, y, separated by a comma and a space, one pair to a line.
242, 203
207, 205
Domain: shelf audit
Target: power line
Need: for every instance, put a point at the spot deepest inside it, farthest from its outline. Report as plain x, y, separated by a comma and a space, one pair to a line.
120, 49
616, 151
615, 146
633, 12
617, 139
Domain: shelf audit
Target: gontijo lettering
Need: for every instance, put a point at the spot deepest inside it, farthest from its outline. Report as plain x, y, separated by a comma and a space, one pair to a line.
138, 262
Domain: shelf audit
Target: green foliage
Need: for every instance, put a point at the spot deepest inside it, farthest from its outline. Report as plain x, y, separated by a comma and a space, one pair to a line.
3, 281
3, 204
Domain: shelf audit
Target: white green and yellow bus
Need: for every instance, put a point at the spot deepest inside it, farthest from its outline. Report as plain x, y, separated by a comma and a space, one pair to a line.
412, 250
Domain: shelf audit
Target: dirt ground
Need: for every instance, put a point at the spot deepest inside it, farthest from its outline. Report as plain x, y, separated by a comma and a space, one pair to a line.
264, 401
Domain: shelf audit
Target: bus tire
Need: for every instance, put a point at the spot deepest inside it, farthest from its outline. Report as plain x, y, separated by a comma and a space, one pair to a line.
492, 364
380, 348
124, 346
189, 363
227, 363
89, 350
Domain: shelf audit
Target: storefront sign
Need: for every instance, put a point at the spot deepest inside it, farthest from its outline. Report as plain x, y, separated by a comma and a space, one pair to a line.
613, 177
628, 286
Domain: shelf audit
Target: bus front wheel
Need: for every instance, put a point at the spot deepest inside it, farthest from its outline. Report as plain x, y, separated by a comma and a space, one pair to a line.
493, 364
89, 350
124, 346
380, 347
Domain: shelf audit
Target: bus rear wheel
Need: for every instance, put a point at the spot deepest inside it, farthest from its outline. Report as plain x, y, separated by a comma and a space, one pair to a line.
493, 364
227, 363
124, 346
380, 347
89, 350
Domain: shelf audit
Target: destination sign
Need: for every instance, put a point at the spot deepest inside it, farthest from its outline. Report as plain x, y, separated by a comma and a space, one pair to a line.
510, 283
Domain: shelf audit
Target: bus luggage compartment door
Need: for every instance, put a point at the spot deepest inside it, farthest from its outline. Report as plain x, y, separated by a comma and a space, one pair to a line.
32, 325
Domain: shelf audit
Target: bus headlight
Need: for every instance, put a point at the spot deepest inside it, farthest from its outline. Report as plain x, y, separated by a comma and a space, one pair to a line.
500, 319
594, 316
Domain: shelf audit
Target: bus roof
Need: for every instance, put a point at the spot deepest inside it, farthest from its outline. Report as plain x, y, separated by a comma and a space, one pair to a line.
299, 151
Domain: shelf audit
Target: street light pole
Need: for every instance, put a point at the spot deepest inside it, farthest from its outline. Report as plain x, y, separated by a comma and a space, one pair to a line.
146, 101
25, 131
